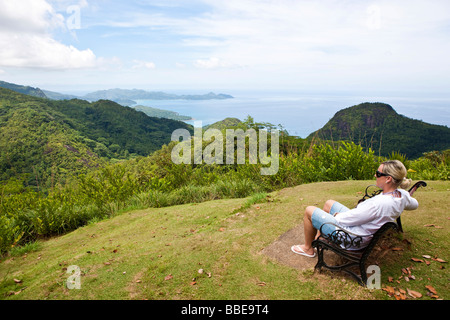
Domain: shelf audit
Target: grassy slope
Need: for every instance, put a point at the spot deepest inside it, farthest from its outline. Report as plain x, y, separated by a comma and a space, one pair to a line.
129, 256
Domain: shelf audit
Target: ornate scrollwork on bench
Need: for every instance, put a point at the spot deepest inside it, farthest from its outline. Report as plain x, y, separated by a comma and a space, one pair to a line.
344, 239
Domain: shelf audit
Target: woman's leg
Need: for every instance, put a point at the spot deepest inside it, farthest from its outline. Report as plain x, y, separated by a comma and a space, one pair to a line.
311, 233
327, 206
309, 230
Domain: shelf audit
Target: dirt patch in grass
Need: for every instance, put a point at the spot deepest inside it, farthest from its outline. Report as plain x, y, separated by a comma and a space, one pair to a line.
280, 250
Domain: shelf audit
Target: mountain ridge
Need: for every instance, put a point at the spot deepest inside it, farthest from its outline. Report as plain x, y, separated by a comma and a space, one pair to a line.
124, 97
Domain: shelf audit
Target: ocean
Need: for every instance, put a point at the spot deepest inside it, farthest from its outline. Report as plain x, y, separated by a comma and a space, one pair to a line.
298, 113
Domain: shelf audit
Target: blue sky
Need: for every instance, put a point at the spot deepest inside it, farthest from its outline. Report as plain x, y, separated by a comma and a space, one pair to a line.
328, 45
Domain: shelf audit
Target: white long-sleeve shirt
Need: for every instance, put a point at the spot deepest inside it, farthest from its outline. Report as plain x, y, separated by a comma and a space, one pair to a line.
371, 214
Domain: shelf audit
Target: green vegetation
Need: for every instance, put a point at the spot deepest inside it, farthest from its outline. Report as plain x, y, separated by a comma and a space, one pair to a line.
155, 181
45, 142
160, 113
78, 166
379, 127
224, 124
35, 92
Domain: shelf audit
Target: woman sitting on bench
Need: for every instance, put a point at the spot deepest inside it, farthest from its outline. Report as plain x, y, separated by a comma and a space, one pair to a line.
368, 216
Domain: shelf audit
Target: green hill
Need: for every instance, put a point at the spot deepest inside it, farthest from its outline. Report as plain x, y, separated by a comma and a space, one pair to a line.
160, 113
224, 124
380, 127
35, 92
47, 139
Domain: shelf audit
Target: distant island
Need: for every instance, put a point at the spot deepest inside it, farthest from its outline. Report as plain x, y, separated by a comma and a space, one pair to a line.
136, 94
124, 97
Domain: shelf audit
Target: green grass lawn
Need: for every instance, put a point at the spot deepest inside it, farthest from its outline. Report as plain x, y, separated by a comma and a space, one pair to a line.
213, 250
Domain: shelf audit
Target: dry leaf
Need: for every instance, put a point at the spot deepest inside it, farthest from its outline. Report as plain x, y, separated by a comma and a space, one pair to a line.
17, 281
431, 289
261, 284
433, 226
426, 256
221, 229
439, 260
200, 271
390, 279
416, 260
389, 290
397, 249
193, 283
414, 294
168, 277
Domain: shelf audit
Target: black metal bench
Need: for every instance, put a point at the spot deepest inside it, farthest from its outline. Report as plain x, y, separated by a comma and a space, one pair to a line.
341, 241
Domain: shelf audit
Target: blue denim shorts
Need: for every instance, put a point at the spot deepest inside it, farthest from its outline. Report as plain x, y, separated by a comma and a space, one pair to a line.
319, 217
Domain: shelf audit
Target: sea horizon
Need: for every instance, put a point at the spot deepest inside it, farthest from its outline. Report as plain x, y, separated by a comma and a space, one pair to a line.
299, 113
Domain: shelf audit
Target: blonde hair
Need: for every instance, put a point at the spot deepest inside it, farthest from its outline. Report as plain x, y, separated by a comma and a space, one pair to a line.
397, 170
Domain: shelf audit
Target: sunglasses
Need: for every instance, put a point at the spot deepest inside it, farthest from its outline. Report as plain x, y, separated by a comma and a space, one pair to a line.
381, 174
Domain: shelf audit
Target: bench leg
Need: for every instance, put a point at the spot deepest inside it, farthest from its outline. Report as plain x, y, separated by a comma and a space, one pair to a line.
320, 263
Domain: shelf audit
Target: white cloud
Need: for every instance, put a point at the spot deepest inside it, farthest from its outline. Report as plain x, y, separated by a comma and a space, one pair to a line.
139, 64
324, 41
212, 63
26, 39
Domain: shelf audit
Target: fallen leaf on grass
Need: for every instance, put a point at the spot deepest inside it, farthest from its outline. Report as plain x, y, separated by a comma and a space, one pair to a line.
11, 293
17, 281
414, 294
431, 289
439, 260
416, 260
390, 290
168, 277
261, 284
399, 295
433, 226
397, 249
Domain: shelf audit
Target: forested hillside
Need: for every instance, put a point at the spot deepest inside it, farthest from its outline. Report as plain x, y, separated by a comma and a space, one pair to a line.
47, 140
35, 92
379, 127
